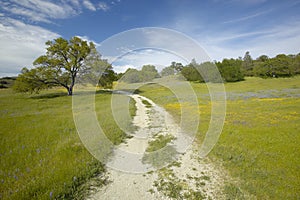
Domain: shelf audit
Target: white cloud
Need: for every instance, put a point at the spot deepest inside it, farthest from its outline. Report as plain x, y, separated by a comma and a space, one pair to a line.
21, 42
46, 11
232, 41
21, 45
176, 42
75, 3
39, 10
89, 5
103, 6
155, 46
283, 38
122, 68
136, 59
86, 38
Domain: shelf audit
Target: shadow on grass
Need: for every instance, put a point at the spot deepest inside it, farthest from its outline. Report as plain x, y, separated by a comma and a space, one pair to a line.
49, 95
150, 85
104, 92
63, 94
120, 91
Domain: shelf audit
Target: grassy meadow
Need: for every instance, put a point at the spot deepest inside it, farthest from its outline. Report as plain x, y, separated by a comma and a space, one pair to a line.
259, 145
41, 155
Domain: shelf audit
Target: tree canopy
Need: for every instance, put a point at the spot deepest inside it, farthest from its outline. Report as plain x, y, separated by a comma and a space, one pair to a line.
229, 70
147, 73
232, 70
63, 62
66, 61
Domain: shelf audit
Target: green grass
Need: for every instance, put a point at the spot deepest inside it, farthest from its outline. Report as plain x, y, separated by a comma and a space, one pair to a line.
259, 144
158, 152
148, 105
175, 187
159, 142
41, 155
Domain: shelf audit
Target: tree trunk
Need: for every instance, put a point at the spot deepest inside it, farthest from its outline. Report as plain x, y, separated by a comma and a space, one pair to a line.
70, 91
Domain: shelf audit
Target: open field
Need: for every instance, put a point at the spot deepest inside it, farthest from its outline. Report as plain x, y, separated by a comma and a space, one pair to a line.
259, 143
41, 155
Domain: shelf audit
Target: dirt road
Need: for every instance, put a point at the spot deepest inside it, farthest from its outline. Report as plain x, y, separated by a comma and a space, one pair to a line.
188, 177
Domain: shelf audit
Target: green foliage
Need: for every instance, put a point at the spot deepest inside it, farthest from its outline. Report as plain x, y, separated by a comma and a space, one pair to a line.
147, 73
247, 64
210, 72
230, 70
97, 71
31, 81
131, 76
167, 71
107, 78
60, 66
233, 70
280, 66
191, 73
176, 66
296, 64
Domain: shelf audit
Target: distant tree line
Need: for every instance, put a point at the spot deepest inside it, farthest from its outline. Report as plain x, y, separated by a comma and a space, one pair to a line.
280, 66
66, 61
232, 70
147, 73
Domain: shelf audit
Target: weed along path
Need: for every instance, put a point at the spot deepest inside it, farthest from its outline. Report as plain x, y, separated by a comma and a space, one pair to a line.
153, 145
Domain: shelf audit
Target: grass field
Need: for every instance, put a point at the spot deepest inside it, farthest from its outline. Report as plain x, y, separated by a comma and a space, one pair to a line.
41, 155
259, 145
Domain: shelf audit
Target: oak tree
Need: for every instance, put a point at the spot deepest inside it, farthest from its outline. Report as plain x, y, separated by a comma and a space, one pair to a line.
63, 62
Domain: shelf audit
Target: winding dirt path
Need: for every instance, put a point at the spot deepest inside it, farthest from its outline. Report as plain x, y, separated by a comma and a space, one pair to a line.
190, 175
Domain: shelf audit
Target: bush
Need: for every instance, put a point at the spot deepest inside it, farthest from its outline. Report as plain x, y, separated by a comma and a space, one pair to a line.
230, 70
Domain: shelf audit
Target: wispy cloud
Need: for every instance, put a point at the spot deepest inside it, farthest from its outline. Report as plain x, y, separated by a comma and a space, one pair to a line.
269, 32
247, 17
46, 11
249, 2
89, 5
104, 6
154, 46
22, 40
282, 38
21, 44
233, 36
136, 59
38, 10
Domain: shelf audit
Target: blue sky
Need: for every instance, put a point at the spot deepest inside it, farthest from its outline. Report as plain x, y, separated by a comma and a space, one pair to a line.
224, 29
